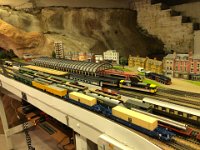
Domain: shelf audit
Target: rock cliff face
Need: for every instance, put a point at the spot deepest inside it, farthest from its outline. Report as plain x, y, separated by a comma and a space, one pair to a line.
81, 29
20, 41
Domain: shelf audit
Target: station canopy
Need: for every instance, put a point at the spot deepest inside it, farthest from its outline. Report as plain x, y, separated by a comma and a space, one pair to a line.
81, 67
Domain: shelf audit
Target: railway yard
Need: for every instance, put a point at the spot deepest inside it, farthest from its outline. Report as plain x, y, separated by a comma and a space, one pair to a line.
181, 108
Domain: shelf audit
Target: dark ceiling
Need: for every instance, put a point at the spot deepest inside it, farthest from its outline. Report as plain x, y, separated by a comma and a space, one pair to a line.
176, 2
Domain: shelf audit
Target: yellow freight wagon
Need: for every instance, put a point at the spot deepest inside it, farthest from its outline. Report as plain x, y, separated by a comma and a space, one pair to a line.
136, 118
85, 99
56, 90
39, 85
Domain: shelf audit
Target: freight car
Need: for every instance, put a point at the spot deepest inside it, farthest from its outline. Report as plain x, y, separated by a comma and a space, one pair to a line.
139, 104
189, 132
158, 77
143, 123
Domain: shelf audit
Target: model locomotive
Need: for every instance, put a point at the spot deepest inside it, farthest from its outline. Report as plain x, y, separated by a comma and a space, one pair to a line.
158, 77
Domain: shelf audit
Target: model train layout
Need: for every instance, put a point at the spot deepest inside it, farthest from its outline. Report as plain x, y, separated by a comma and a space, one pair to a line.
107, 104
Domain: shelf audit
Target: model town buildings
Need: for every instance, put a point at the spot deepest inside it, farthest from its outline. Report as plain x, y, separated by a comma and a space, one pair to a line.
79, 56
111, 55
59, 49
152, 65
185, 66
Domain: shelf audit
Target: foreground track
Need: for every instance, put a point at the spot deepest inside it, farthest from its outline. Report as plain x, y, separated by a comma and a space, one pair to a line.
184, 143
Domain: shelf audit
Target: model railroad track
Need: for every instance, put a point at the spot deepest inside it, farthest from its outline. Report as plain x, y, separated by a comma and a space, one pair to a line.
188, 143
176, 100
193, 141
171, 96
169, 99
179, 146
180, 93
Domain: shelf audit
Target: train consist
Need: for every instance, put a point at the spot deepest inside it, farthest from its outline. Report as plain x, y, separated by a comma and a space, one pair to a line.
158, 77
61, 87
104, 101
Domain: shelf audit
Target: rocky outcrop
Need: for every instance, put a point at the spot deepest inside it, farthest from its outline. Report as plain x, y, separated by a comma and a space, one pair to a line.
80, 29
20, 41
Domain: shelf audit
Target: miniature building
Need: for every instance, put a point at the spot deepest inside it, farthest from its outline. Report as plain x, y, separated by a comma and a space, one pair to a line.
68, 55
82, 56
27, 57
154, 65
79, 56
111, 55
59, 49
136, 61
146, 63
185, 66
98, 58
168, 64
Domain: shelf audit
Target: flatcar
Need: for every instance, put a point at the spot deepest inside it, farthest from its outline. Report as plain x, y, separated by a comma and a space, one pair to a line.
158, 77
45, 70
143, 123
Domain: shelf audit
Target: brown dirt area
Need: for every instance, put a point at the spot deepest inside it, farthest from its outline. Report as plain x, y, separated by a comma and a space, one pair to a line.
181, 84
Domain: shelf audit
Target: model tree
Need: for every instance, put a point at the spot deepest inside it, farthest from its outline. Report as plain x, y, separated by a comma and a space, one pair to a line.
123, 61
53, 54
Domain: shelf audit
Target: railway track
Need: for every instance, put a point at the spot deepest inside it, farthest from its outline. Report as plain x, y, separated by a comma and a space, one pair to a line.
180, 93
188, 143
179, 146
182, 101
170, 99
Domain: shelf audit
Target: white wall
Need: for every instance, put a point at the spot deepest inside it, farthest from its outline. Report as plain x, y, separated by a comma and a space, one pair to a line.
69, 3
